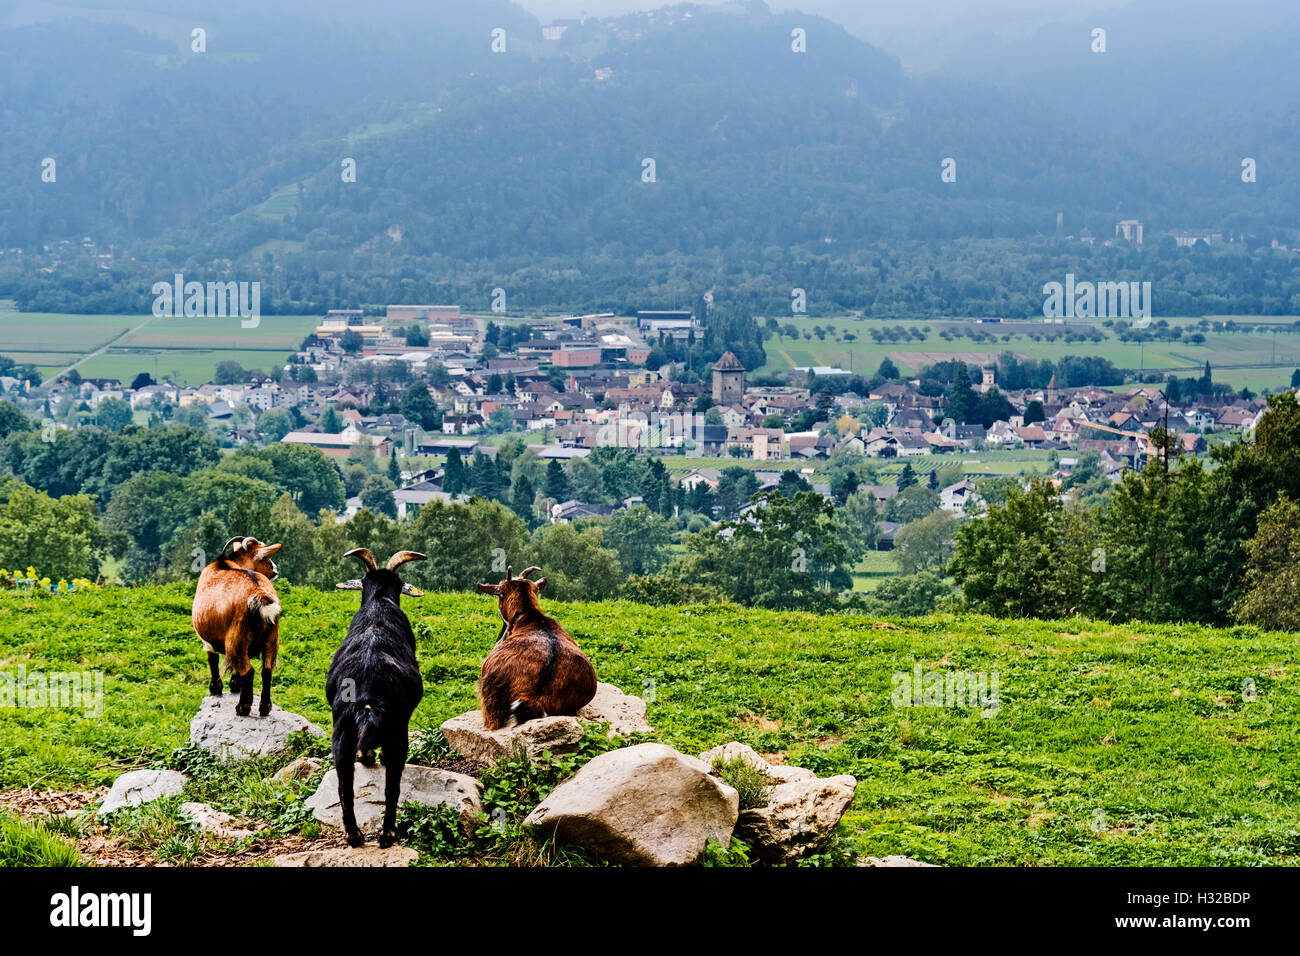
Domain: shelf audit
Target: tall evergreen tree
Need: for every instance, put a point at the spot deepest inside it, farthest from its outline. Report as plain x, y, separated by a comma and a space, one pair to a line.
557, 482
454, 477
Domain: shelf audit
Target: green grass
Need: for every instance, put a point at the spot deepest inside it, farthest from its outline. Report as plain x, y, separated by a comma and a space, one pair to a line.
24, 843
1113, 745
864, 355
188, 349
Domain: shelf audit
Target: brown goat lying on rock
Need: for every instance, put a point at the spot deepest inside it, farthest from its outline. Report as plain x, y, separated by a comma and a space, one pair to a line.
237, 613
536, 668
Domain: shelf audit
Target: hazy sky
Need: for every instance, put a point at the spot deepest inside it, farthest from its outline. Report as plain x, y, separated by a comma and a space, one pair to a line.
919, 32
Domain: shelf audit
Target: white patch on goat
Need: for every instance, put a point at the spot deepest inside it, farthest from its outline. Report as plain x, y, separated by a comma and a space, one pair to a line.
209, 647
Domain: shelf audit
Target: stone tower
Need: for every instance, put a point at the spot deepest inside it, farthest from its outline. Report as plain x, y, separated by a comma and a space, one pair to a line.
728, 380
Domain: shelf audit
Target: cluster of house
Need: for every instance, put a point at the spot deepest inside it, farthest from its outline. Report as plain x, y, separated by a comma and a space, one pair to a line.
605, 395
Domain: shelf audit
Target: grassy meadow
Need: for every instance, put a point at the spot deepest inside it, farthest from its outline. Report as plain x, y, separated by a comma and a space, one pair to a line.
1129, 745
188, 349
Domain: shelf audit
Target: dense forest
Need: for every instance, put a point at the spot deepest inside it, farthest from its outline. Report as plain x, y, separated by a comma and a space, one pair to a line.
530, 169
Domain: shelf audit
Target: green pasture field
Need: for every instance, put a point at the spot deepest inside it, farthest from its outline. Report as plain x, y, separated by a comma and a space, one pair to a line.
864, 355
188, 348
1112, 745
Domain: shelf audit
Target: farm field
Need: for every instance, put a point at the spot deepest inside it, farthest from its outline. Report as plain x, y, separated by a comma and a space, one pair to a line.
188, 348
1221, 348
1112, 745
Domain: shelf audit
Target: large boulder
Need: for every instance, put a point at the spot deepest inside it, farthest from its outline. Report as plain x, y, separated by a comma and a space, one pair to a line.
624, 713
424, 785
798, 812
141, 786
369, 855
219, 730
646, 805
468, 737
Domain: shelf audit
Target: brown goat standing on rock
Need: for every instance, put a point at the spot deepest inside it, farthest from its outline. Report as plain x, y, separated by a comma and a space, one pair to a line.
536, 668
237, 613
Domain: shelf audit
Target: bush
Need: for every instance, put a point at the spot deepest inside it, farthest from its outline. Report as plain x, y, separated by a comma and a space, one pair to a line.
750, 782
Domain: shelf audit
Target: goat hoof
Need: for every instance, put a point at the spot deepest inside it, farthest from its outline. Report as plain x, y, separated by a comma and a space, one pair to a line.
242, 711
356, 839
386, 840
214, 690
263, 710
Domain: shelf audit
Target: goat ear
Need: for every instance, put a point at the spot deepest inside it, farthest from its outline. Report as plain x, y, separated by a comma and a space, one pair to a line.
411, 592
540, 583
353, 585
490, 588
269, 550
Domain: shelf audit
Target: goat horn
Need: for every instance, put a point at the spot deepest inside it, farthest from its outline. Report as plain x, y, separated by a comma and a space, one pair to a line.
528, 571
226, 547
401, 557
366, 558
510, 573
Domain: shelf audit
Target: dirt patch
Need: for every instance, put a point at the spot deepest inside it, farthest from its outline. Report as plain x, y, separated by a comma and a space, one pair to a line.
46, 803
762, 724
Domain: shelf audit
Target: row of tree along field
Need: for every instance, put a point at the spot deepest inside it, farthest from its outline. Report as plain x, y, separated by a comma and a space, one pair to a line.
1184, 540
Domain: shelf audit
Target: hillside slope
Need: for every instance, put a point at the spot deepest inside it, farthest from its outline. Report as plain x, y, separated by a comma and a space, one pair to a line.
1112, 745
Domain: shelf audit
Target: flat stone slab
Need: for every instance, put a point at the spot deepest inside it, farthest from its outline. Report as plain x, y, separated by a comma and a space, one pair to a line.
468, 737
424, 785
141, 786
369, 855
217, 729
625, 713
558, 735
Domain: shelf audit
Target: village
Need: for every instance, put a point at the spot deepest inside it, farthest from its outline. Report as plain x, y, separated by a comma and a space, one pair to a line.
571, 384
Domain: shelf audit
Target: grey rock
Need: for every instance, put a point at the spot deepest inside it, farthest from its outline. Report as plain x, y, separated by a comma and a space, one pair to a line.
624, 713
217, 729
468, 737
423, 785
890, 861
304, 768
799, 811
210, 820
646, 805
141, 786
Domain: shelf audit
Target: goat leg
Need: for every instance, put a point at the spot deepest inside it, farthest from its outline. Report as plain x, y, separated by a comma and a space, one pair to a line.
245, 705
395, 749
214, 665
264, 707
345, 751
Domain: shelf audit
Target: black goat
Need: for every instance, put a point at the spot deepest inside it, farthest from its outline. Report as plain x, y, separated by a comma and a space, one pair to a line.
374, 686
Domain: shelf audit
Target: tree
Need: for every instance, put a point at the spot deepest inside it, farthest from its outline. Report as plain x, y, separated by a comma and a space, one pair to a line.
577, 565
455, 478
1295, 378
394, 470
907, 477
377, 495
13, 420
911, 595
143, 380
557, 482
888, 370
640, 537
911, 504
1034, 412
351, 341
229, 372
113, 414
522, 496
1029, 557
926, 544
331, 423
857, 525
1271, 590
843, 485
305, 473
417, 405
59, 538
275, 423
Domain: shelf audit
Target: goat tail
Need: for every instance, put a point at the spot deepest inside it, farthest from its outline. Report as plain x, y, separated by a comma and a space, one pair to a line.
267, 606
369, 720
